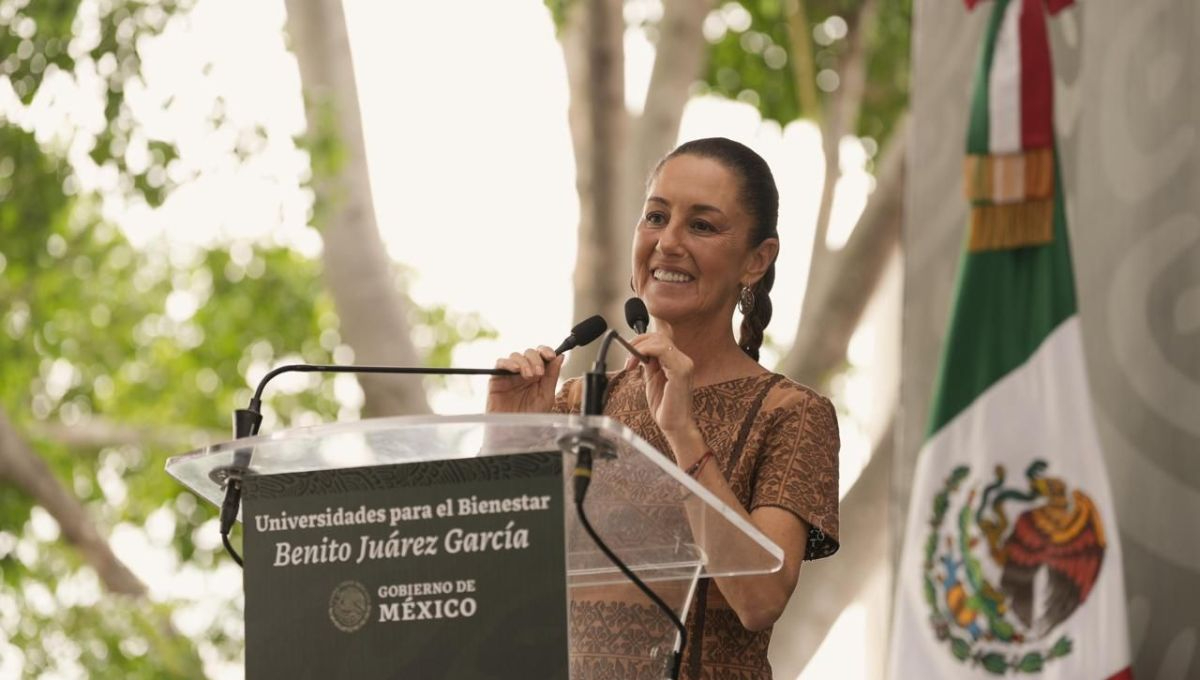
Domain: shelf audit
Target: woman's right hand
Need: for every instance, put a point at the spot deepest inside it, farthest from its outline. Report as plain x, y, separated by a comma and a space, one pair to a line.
531, 390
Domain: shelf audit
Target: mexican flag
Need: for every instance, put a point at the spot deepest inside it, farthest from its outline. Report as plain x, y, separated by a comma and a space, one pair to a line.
1011, 562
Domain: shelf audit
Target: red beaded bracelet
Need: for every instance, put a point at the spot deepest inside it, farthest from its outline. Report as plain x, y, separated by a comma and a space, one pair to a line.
694, 468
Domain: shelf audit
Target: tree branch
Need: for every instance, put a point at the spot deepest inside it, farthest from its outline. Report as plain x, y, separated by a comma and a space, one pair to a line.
840, 297
679, 58
826, 587
96, 433
844, 107
594, 50
678, 61
23, 468
803, 70
836, 297
372, 311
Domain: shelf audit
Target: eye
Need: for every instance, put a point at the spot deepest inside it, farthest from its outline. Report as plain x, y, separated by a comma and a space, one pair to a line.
703, 227
656, 218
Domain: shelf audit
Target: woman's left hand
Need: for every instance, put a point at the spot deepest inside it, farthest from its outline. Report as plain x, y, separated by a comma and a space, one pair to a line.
668, 378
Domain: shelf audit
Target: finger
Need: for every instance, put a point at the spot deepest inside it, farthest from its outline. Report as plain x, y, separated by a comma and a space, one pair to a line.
654, 345
507, 364
547, 354
639, 340
522, 364
651, 368
536, 363
554, 368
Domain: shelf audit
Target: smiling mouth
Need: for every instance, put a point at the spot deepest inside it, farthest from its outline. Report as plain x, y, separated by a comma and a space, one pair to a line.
670, 276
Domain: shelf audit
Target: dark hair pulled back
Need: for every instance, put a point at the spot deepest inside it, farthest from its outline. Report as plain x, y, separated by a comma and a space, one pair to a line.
760, 199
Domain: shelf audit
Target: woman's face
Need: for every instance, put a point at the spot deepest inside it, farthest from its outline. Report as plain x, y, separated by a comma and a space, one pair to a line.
691, 252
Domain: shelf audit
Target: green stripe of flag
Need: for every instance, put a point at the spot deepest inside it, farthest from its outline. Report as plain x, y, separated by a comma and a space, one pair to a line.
1006, 302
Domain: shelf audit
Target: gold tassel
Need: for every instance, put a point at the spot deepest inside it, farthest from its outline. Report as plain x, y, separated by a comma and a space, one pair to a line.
1007, 226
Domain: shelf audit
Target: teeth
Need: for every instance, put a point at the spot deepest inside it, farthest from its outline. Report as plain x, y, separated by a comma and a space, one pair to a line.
671, 277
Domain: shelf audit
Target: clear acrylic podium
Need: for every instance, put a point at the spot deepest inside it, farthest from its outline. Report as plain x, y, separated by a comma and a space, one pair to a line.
667, 528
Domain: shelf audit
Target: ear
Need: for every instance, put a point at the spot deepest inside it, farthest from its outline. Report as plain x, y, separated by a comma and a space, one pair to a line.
759, 260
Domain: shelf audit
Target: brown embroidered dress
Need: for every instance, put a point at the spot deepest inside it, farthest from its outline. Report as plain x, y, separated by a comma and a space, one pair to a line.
788, 459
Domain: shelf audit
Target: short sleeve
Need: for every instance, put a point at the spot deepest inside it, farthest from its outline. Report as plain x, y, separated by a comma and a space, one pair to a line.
799, 470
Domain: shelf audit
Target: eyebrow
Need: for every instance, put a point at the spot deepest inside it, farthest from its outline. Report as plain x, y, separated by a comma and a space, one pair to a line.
699, 207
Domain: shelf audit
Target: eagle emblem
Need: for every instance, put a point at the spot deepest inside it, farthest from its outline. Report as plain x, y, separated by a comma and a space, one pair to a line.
1014, 563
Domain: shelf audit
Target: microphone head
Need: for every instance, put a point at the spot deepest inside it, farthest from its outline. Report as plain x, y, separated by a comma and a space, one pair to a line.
589, 329
636, 314
584, 332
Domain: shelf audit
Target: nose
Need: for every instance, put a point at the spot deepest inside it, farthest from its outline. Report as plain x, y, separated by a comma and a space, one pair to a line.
670, 241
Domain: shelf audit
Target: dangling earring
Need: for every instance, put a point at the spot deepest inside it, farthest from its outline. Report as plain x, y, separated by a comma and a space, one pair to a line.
746, 300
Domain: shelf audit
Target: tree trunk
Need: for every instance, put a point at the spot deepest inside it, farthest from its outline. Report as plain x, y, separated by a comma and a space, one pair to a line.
678, 62
23, 468
839, 299
593, 48
358, 271
614, 151
826, 587
838, 120
835, 299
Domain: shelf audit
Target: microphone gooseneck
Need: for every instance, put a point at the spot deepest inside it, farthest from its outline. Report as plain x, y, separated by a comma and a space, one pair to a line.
248, 420
594, 393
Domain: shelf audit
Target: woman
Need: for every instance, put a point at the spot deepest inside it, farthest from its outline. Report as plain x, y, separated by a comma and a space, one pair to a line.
706, 242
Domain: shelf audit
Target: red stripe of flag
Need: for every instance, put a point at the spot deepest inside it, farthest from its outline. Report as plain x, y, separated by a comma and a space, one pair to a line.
1055, 6
1037, 78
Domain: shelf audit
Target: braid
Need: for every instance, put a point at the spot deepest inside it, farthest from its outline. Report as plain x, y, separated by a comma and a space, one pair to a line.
753, 324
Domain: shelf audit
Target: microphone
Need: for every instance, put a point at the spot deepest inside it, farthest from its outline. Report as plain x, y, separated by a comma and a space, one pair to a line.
636, 315
587, 444
248, 420
584, 332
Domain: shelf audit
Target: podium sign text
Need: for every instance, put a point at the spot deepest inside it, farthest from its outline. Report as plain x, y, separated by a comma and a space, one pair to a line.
443, 569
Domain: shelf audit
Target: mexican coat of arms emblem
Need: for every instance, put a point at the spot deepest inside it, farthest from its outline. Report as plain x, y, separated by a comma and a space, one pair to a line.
1005, 565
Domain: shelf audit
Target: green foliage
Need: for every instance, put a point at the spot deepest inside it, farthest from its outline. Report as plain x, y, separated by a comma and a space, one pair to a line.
748, 65
888, 71
1031, 663
958, 475
86, 334
756, 65
994, 662
443, 330
327, 153
960, 648
1062, 647
940, 503
930, 592
754, 60
64, 628
49, 37
94, 329
558, 12
36, 42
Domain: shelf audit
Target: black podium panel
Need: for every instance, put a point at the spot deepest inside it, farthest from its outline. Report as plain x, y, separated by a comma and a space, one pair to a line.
439, 569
